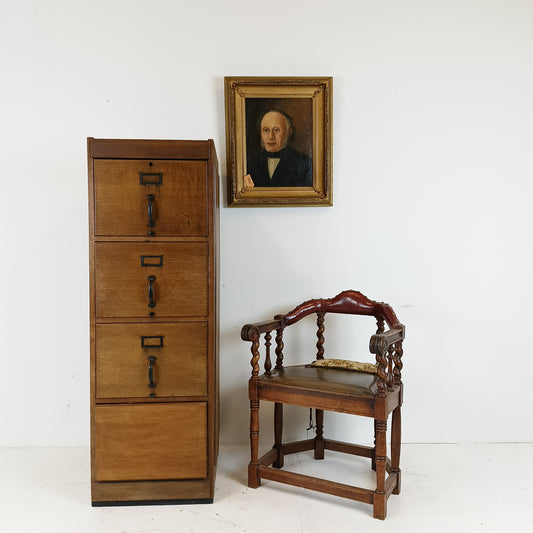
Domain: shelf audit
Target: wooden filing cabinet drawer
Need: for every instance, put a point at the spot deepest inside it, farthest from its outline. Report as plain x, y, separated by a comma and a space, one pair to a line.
151, 279
151, 360
135, 197
150, 442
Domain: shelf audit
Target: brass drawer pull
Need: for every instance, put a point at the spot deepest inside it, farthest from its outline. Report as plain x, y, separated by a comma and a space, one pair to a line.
151, 223
151, 382
151, 280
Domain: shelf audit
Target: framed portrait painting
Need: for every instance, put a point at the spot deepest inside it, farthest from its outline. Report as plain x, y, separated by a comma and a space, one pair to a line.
278, 140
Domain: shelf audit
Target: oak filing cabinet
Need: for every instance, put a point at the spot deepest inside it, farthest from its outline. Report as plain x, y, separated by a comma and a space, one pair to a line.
153, 224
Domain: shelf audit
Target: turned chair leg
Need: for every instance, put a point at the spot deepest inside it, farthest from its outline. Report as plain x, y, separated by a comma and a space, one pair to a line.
319, 439
374, 450
396, 438
253, 476
278, 435
380, 500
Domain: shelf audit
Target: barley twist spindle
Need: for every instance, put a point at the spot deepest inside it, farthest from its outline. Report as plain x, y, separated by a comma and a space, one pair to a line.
320, 335
390, 376
398, 365
279, 349
255, 356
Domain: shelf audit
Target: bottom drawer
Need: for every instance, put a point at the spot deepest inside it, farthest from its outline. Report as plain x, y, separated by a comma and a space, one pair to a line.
149, 442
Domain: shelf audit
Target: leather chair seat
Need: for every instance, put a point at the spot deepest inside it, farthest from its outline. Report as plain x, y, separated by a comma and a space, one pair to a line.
333, 380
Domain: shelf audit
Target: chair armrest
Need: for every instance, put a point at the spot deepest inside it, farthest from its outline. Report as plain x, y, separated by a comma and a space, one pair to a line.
251, 332
380, 342
387, 347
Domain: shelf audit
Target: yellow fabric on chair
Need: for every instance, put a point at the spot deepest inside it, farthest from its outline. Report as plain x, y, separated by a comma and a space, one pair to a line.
344, 364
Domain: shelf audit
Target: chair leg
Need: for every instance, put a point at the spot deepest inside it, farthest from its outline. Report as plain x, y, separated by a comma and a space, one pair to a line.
319, 439
278, 435
396, 439
374, 450
380, 500
253, 475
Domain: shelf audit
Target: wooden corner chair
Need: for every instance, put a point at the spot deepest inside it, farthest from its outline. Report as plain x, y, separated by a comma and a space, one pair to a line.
371, 392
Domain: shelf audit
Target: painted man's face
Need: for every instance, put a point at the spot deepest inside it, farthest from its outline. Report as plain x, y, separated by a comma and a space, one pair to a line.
274, 131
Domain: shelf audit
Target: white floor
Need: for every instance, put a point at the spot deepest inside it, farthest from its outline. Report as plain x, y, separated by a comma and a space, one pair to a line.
446, 488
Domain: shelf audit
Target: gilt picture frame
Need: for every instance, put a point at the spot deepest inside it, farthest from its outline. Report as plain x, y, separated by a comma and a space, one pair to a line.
278, 141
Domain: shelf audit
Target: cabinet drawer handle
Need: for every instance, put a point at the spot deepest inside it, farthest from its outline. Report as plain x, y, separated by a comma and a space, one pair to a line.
150, 198
151, 280
151, 382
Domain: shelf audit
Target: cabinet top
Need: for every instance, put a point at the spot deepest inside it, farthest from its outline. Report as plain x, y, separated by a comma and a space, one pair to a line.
150, 149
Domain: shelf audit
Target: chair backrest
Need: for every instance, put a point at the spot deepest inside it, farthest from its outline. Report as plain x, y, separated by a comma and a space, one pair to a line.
386, 345
347, 302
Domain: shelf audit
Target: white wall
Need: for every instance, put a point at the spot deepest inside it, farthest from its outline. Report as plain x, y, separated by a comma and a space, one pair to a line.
432, 172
